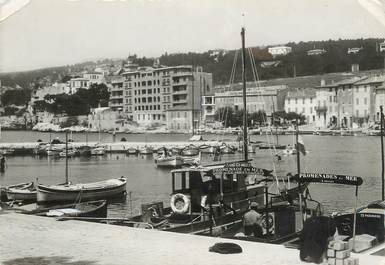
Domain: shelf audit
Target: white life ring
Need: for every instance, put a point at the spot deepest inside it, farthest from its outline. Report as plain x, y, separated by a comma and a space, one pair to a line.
177, 198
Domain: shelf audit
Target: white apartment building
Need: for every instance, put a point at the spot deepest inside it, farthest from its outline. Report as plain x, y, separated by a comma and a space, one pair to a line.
326, 107
147, 93
77, 83
94, 77
279, 50
302, 101
258, 99
208, 108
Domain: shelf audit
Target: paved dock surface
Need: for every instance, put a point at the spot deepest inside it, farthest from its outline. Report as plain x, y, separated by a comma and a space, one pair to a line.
26, 239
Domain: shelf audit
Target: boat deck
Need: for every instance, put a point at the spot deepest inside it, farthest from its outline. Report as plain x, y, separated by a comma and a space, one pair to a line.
41, 240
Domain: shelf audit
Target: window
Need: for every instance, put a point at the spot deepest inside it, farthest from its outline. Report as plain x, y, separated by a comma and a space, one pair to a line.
149, 91
311, 100
149, 83
158, 88
357, 113
357, 101
303, 110
143, 83
365, 101
288, 101
296, 101
144, 100
330, 98
303, 101
311, 110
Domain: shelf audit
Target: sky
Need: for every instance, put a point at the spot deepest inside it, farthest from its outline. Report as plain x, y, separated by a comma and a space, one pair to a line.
58, 32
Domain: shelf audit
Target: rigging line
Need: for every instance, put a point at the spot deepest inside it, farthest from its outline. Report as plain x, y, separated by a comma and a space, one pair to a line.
231, 81
256, 79
222, 115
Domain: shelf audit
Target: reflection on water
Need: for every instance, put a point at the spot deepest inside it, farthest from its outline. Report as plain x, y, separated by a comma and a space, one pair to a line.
359, 156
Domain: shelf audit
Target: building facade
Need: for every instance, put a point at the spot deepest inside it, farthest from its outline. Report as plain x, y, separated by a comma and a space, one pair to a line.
258, 99
302, 101
208, 109
77, 83
147, 93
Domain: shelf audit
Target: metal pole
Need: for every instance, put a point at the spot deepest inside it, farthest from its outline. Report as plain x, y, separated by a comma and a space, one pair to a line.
355, 218
245, 143
267, 210
299, 172
382, 152
66, 157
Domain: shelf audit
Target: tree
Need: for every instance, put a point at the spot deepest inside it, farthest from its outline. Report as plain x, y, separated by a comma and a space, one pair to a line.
16, 97
258, 117
98, 93
225, 115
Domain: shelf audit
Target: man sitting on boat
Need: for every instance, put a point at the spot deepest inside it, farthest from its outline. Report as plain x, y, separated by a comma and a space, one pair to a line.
251, 221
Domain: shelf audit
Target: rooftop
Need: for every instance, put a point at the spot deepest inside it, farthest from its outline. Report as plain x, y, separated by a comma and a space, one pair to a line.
302, 93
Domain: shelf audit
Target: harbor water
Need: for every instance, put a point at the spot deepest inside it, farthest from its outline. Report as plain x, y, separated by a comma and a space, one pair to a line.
351, 155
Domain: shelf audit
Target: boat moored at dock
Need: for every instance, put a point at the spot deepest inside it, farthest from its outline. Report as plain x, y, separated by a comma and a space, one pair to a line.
86, 191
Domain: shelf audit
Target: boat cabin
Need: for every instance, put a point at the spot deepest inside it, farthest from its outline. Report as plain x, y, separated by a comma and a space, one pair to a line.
202, 186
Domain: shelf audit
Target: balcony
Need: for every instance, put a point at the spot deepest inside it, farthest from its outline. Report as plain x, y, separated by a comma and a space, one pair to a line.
179, 83
187, 73
180, 92
180, 101
320, 109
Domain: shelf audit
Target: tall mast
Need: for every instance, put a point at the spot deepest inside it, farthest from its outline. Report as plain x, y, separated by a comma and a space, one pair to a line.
245, 149
273, 116
298, 170
66, 157
382, 151
192, 100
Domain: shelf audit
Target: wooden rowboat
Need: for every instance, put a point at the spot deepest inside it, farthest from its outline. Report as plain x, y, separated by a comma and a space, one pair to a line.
86, 191
20, 192
82, 209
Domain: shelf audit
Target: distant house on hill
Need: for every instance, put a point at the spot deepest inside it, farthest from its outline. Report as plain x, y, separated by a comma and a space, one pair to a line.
382, 46
354, 50
316, 52
279, 50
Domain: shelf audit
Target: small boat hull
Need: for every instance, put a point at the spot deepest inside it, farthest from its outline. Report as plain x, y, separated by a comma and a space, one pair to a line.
98, 151
20, 192
96, 209
21, 195
174, 161
146, 151
88, 191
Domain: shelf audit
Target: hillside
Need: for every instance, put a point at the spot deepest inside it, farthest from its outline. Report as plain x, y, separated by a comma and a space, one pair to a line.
220, 62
